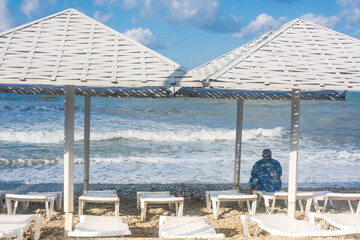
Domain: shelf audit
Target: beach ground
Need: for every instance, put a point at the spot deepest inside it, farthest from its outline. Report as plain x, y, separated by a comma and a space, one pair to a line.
229, 221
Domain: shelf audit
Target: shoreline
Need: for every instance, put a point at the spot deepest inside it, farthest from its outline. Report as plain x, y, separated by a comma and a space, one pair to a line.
194, 191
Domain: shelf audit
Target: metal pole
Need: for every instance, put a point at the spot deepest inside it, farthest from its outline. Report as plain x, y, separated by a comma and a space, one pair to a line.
238, 141
69, 109
294, 148
87, 142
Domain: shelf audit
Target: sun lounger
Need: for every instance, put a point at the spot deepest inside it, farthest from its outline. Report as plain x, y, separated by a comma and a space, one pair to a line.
338, 220
146, 198
208, 195
48, 198
344, 196
217, 199
100, 226
15, 225
102, 196
283, 225
186, 227
151, 194
307, 196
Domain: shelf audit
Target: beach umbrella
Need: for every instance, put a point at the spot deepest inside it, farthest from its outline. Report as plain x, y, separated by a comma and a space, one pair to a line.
296, 57
72, 54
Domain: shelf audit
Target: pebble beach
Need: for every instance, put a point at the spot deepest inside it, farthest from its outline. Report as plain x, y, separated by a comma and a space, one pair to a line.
229, 221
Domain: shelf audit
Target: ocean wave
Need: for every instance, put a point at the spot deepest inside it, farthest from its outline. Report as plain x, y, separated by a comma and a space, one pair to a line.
30, 108
57, 136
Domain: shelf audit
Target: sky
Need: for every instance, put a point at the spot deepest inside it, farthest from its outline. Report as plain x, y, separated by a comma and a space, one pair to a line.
192, 32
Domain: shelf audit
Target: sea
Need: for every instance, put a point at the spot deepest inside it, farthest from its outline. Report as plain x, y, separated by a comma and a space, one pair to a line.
177, 140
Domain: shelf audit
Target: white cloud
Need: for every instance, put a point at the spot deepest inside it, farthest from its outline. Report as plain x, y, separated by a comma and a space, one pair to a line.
103, 2
328, 22
130, 4
29, 6
350, 11
6, 17
145, 37
262, 24
205, 14
102, 18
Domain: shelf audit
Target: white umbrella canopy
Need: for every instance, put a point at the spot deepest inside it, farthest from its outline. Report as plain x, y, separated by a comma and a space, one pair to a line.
70, 48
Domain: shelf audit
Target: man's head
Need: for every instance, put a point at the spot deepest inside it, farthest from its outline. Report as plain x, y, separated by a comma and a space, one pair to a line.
266, 152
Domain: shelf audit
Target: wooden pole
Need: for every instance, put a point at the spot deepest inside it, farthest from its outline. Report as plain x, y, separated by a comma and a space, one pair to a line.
294, 149
238, 142
69, 109
87, 142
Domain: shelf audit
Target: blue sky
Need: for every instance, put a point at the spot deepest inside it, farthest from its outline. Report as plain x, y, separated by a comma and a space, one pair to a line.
192, 32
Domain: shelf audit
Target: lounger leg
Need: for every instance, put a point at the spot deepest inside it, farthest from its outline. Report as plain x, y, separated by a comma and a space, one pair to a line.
15, 207
25, 205
273, 205
59, 201
47, 209
214, 207
81, 207
253, 208
8, 205
176, 209
20, 234
327, 225
181, 209
208, 201
301, 205
117, 207
217, 208
325, 203
37, 227
52, 205
351, 208
257, 231
358, 209
248, 206
316, 205
245, 225
143, 210
308, 206
267, 205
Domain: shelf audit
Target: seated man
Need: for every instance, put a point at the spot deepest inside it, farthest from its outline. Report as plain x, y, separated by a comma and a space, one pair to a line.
265, 174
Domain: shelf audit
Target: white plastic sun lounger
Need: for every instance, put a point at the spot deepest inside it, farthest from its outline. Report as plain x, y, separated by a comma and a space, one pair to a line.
146, 198
209, 194
344, 196
283, 225
101, 196
15, 225
216, 200
48, 198
100, 226
338, 220
186, 227
307, 196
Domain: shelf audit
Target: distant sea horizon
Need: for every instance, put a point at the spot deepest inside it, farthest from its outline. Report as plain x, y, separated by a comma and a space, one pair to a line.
177, 140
